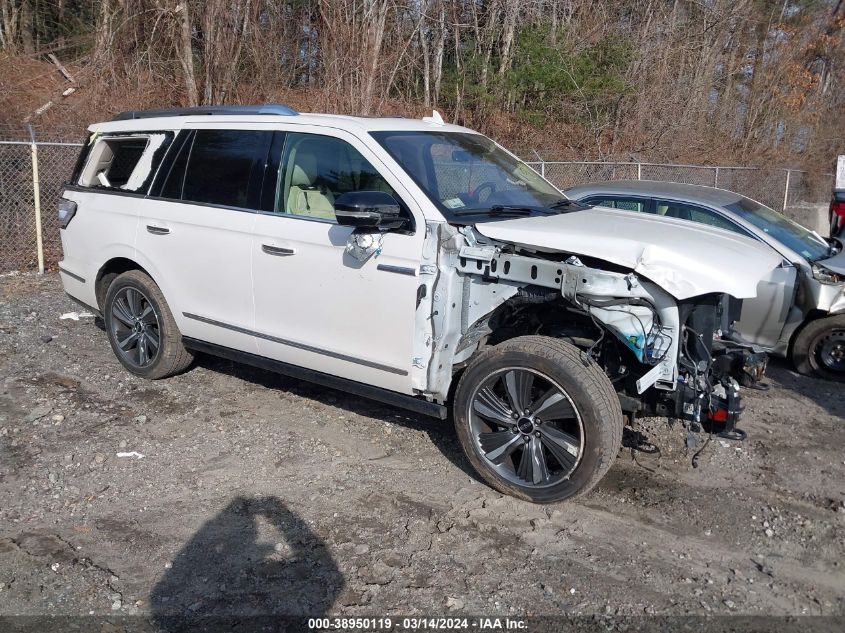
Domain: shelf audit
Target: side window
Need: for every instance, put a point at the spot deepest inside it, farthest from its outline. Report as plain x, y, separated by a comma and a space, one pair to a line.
694, 213
225, 167
618, 202
125, 162
314, 170
173, 168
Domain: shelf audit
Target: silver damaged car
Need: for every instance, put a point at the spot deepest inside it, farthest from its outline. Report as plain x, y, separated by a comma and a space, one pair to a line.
799, 310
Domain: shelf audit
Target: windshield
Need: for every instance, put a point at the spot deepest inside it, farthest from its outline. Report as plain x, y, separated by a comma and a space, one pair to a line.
789, 233
468, 174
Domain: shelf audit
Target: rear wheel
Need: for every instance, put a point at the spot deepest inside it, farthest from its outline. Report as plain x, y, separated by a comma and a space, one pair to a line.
535, 421
820, 348
141, 328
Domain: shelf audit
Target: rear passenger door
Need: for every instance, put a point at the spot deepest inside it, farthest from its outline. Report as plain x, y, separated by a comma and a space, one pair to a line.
697, 214
195, 233
316, 305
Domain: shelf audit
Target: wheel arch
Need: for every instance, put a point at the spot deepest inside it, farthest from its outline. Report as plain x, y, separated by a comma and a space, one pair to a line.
812, 315
109, 271
520, 315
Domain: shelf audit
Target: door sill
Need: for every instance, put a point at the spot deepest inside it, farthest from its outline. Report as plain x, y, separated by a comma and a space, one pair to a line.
411, 403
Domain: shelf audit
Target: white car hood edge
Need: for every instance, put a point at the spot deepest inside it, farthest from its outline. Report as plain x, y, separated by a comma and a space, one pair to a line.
684, 258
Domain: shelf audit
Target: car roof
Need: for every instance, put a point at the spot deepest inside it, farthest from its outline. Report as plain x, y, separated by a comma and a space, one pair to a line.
341, 121
656, 188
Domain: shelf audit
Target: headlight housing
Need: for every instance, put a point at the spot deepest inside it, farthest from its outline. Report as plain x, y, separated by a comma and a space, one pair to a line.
822, 274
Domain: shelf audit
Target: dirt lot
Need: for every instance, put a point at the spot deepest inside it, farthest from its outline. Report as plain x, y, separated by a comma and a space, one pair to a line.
260, 494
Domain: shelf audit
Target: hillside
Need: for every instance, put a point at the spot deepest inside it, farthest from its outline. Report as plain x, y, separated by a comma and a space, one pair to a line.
740, 82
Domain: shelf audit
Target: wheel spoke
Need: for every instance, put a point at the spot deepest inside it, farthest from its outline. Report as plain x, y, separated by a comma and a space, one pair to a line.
489, 405
553, 405
152, 339
143, 357
518, 384
499, 445
539, 470
563, 446
148, 315
525, 469
126, 343
121, 313
133, 298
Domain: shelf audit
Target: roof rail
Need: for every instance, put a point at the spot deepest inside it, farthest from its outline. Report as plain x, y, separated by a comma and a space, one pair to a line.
270, 109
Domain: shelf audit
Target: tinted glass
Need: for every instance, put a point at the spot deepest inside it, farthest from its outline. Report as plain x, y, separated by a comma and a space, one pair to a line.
791, 234
270, 181
315, 170
221, 166
695, 214
174, 167
618, 202
464, 173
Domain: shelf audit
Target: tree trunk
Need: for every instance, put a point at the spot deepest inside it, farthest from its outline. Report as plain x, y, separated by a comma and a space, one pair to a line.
186, 52
10, 15
27, 27
426, 55
375, 37
438, 53
511, 11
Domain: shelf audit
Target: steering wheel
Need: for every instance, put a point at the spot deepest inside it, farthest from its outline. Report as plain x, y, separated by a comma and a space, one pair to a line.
489, 186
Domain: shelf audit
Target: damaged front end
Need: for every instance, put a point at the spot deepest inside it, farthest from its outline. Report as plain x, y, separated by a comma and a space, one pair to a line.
663, 355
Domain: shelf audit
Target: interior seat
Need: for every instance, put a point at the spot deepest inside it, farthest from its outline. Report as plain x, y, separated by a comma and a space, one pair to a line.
305, 196
674, 211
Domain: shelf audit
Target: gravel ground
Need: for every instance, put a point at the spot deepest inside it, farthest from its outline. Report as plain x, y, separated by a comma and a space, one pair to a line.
259, 494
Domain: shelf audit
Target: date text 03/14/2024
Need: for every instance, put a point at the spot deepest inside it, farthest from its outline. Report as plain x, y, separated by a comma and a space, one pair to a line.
416, 623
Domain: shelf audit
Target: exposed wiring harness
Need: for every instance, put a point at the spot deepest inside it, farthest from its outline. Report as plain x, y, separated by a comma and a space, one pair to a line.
688, 361
650, 336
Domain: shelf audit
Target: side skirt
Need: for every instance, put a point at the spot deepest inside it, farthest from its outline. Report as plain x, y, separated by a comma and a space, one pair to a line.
402, 400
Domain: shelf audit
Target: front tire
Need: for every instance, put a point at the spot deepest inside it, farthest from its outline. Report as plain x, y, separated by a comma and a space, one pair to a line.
536, 421
819, 348
141, 328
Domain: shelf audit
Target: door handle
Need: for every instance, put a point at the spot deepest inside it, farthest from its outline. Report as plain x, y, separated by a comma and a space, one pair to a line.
279, 251
157, 230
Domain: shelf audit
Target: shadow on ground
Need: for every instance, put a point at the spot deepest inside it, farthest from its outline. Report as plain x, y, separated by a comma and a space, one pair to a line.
827, 394
252, 563
440, 432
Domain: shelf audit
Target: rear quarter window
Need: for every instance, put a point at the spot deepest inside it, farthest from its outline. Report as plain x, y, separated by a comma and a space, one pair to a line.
123, 162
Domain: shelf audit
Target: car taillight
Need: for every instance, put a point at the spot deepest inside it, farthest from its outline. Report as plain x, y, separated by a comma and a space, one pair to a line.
67, 209
838, 207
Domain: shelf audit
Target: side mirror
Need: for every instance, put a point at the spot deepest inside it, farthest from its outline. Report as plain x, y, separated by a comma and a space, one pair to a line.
368, 210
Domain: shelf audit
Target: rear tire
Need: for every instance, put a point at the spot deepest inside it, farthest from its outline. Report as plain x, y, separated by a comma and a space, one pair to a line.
535, 421
819, 348
141, 328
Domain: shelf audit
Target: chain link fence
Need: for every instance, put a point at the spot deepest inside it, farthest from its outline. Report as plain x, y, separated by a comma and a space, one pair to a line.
19, 228
18, 247
27, 241
776, 188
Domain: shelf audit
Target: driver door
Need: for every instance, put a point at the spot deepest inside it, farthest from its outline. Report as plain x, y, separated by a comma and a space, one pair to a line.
316, 306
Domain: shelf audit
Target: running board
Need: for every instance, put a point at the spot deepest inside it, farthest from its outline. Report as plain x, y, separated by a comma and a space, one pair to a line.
402, 400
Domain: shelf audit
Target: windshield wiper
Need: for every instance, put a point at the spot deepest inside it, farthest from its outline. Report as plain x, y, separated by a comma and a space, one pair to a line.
566, 205
498, 209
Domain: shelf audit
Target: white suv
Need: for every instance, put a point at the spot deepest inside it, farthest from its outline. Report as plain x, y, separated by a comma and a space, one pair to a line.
414, 262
